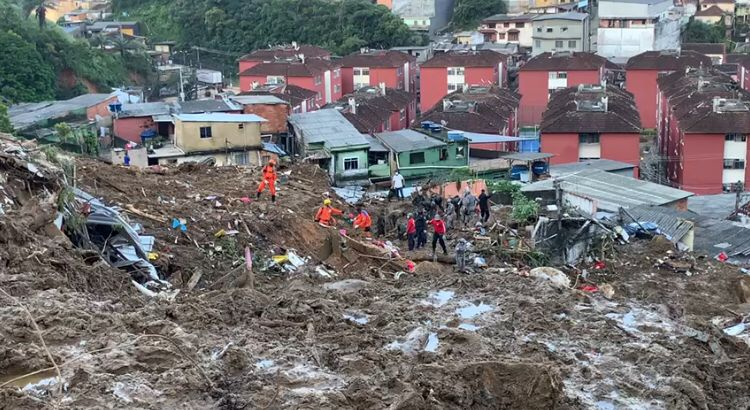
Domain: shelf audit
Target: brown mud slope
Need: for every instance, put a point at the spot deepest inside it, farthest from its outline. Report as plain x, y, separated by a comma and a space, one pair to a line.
363, 339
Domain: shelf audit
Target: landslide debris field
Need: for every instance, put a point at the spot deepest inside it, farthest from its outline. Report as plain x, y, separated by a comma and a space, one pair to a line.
336, 327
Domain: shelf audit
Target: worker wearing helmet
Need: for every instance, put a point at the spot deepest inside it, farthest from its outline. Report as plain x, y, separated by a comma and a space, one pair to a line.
269, 177
326, 212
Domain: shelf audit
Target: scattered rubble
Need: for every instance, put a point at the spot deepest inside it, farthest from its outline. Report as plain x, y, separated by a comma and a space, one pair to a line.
280, 312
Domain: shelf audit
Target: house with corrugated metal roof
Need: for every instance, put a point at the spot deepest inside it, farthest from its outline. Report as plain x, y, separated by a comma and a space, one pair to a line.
416, 154
327, 138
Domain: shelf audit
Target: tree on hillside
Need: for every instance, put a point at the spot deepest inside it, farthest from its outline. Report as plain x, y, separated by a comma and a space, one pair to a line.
24, 76
469, 13
5, 125
243, 25
700, 32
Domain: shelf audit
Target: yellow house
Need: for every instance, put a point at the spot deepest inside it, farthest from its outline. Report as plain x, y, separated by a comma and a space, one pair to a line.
227, 139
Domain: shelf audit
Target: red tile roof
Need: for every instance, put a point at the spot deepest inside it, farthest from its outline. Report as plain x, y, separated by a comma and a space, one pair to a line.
378, 58
311, 67
667, 60
481, 58
705, 48
691, 94
489, 112
567, 61
713, 11
286, 51
373, 107
290, 93
582, 109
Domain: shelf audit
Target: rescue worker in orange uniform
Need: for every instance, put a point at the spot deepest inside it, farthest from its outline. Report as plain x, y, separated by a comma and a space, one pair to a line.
269, 177
326, 212
363, 221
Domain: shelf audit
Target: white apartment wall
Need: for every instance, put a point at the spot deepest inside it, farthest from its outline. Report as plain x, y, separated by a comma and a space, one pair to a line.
627, 42
620, 10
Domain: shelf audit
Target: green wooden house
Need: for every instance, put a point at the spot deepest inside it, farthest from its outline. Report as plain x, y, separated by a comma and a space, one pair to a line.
419, 155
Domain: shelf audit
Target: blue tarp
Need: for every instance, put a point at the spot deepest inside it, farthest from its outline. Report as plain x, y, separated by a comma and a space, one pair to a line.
267, 146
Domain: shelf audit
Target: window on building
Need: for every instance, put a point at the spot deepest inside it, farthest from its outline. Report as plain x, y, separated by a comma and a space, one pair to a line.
362, 71
455, 87
274, 79
402, 114
443, 154
549, 29
400, 70
318, 96
506, 24
563, 29
537, 43
460, 152
538, 29
336, 88
416, 158
553, 75
351, 163
240, 126
735, 137
558, 44
205, 132
571, 44
455, 71
501, 36
336, 73
519, 25
491, 25
242, 158
588, 138
734, 164
512, 36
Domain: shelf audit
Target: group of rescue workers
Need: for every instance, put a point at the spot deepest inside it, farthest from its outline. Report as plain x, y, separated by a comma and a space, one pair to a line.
428, 212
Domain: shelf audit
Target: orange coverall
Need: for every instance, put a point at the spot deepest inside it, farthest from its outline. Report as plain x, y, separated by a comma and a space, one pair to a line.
363, 221
325, 215
269, 176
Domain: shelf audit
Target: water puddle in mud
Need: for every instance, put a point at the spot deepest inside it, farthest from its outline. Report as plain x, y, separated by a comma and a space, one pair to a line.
439, 298
432, 342
43, 378
471, 311
358, 318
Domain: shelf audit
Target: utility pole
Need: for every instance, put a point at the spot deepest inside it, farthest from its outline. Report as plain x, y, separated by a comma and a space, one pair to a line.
182, 87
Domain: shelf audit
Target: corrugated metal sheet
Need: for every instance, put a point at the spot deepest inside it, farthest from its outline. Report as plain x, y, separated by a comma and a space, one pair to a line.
674, 226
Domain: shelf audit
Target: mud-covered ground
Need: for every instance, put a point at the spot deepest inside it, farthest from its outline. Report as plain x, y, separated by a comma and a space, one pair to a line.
494, 338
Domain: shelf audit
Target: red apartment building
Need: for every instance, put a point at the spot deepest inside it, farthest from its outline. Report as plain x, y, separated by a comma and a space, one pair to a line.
315, 74
492, 111
371, 67
379, 109
704, 121
543, 74
282, 52
591, 122
642, 71
449, 72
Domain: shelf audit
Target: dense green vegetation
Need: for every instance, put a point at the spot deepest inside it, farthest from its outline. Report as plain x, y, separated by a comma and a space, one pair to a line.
468, 13
700, 32
5, 125
45, 63
244, 25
